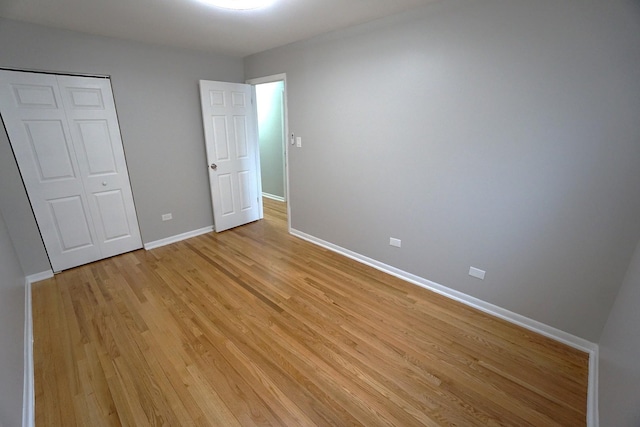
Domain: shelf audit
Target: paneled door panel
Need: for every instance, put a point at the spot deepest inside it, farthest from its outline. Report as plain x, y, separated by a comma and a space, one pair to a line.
70, 220
49, 148
35, 96
244, 183
230, 130
94, 128
96, 147
64, 158
34, 116
113, 215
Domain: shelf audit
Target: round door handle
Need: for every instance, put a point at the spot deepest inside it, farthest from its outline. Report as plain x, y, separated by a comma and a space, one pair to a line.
104, 183
214, 166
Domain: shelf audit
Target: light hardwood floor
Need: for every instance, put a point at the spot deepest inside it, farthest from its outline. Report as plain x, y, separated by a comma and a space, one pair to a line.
255, 327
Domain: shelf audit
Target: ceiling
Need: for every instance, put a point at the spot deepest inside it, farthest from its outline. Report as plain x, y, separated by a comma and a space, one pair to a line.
194, 25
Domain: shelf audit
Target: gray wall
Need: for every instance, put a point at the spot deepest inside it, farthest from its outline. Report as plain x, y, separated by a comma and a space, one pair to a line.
11, 331
270, 105
19, 218
500, 134
157, 99
619, 382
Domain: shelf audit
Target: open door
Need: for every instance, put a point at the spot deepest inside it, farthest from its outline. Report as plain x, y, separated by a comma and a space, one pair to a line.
231, 137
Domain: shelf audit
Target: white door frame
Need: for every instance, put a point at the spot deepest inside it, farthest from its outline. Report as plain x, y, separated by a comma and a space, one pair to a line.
282, 77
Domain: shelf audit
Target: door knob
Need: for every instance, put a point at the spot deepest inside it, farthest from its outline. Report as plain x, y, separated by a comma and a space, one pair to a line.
104, 183
214, 166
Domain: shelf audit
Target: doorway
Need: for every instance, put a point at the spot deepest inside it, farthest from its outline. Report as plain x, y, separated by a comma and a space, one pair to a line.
271, 102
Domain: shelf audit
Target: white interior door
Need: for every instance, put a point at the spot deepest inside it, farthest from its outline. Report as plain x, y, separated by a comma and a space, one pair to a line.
230, 129
65, 136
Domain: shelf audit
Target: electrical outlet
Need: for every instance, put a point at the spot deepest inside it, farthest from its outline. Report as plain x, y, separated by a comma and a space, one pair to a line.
167, 217
476, 272
395, 242
298, 141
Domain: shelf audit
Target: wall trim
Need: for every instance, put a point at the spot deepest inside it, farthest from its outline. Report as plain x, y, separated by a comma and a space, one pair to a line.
486, 307
593, 415
28, 389
177, 238
273, 197
43, 275
270, 79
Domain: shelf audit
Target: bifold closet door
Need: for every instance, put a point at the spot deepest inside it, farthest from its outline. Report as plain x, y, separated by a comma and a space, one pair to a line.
65, 136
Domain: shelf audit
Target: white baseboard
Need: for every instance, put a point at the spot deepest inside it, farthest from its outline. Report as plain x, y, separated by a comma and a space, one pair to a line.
274, 197
28, 391
593, 415
177, 238
494, 310
43, 275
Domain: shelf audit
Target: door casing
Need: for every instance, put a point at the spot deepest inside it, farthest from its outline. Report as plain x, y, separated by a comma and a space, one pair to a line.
276, 78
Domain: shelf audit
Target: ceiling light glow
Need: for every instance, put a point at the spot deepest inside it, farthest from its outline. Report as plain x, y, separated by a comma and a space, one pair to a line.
238, 4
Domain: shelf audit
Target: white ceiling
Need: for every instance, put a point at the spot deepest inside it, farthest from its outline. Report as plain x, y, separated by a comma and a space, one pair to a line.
193, 25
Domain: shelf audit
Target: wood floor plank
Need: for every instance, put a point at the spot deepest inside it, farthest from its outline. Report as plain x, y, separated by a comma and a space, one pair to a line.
254, 327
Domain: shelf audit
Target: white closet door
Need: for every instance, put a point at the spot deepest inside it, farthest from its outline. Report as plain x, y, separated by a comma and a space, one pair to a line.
95, 132
65, 136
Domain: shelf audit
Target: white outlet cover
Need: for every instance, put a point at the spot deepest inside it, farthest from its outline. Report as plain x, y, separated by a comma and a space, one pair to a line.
395, 242
476, 272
